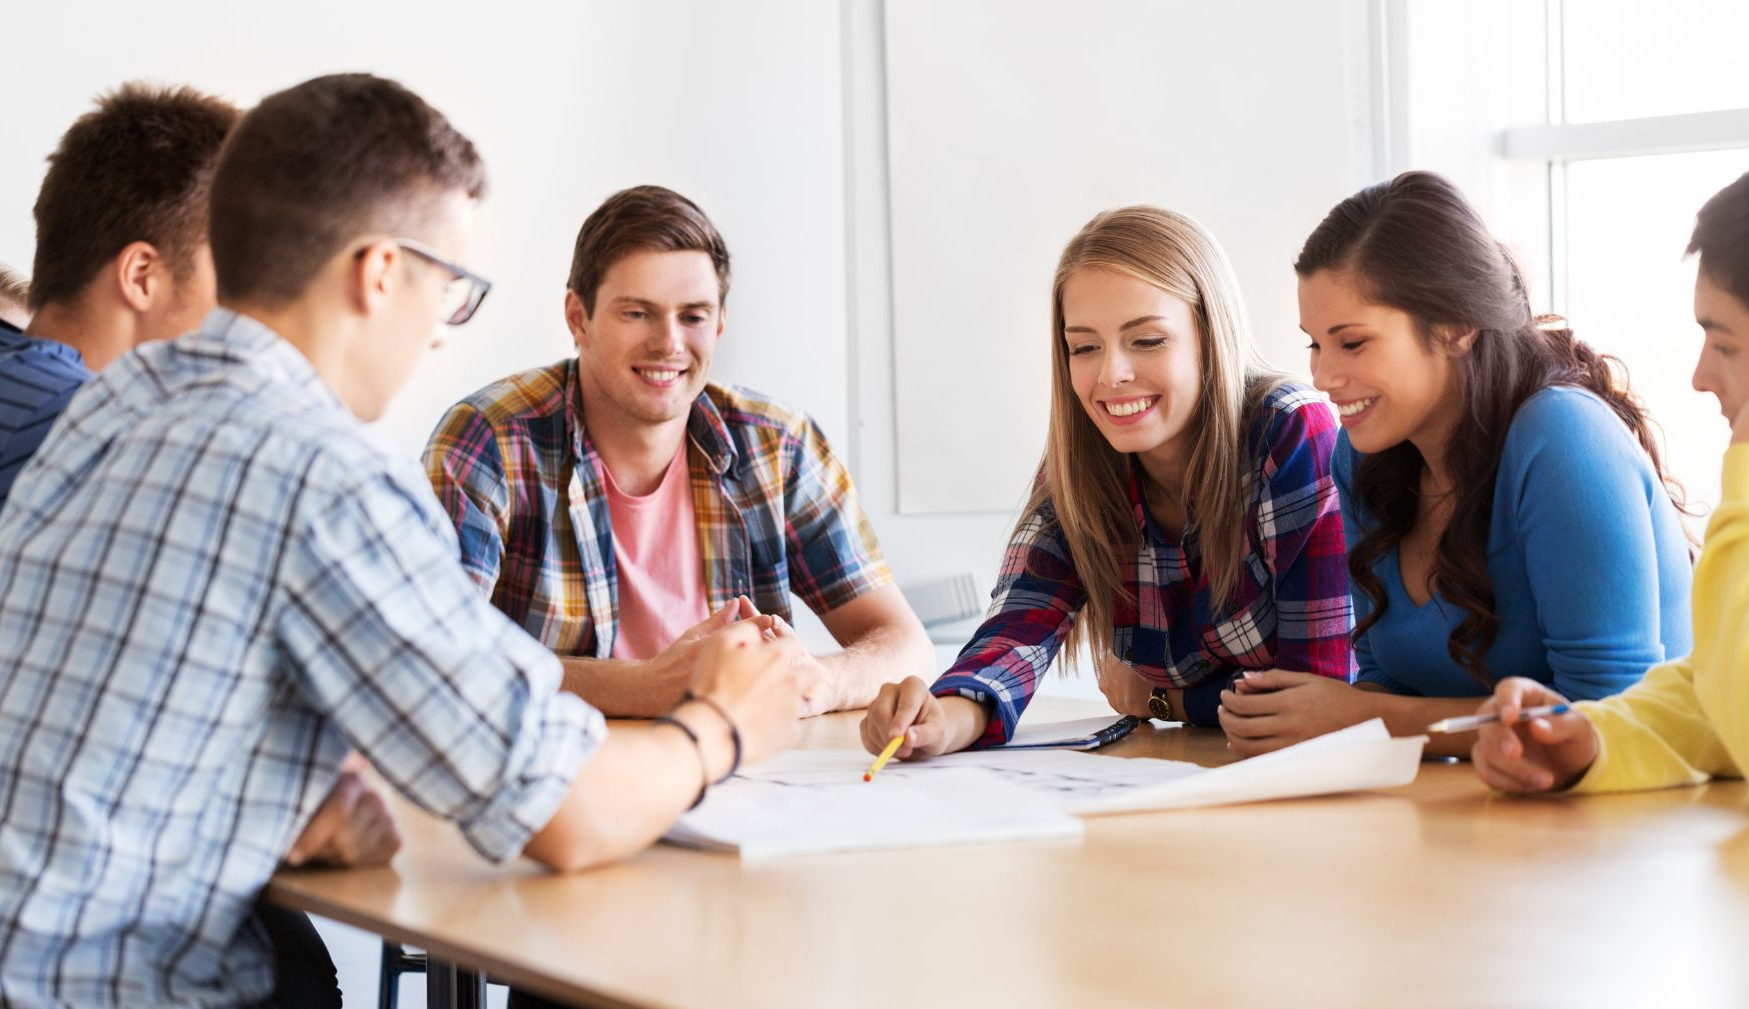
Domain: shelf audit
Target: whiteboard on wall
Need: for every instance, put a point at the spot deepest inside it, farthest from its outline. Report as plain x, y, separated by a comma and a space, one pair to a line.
1012, 122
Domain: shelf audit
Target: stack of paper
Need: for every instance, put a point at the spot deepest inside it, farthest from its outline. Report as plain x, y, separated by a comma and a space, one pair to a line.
813, 813
805, 801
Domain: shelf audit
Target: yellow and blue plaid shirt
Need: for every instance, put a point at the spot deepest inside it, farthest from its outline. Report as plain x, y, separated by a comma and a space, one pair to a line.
514, 467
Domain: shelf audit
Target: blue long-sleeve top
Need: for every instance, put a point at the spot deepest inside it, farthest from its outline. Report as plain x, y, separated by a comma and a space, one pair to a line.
1586, 555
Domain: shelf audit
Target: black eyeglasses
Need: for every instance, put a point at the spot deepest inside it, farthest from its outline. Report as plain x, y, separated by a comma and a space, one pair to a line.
464, 292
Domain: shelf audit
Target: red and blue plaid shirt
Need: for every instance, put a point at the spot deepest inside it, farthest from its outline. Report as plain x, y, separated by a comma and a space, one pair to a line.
1289, 610
520, 479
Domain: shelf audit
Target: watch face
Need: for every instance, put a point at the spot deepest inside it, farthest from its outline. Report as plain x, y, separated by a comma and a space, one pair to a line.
1158, 708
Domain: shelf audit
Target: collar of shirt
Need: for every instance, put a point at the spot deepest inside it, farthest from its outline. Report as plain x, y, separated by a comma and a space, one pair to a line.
13, 340
228, 335
1145, 521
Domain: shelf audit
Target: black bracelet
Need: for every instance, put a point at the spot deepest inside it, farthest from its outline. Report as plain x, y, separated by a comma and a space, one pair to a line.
734, 733
703, 767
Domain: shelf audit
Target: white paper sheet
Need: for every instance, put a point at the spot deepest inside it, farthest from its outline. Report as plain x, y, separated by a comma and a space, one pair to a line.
1359, 757
806, 801
768, 818
1066, 777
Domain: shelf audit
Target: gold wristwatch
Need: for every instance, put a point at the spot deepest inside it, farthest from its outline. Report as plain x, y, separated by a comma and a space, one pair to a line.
1160, 704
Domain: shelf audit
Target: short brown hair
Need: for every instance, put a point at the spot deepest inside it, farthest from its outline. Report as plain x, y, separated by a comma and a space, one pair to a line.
135, 169
1721, 236
315, 166
643, 219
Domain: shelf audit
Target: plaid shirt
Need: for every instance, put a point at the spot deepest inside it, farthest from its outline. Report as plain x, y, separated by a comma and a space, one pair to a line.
516, 471
212, 585
1290, 608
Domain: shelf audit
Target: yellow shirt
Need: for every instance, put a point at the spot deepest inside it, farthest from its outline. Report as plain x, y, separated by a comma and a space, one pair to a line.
1689, 719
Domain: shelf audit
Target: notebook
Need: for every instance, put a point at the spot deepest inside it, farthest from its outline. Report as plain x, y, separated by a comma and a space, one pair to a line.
1080, 734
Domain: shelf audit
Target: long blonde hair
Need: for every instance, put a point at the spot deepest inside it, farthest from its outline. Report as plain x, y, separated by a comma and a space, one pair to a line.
1087, 481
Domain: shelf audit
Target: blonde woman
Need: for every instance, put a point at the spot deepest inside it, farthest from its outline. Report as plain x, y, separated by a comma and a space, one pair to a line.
1183, 525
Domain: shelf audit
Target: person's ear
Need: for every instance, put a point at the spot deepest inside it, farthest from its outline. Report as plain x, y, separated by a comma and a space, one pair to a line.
1457, 342
722, 318
140, 275
371, 276
576, 319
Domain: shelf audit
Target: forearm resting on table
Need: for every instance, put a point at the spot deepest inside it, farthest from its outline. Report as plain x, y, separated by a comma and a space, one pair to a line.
628, 793
621, 688
880, 656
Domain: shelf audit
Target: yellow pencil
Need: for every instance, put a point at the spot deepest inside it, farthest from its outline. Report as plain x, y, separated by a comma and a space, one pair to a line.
881, 761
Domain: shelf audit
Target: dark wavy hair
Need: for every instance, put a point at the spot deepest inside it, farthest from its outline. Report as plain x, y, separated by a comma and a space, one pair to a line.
1416, 244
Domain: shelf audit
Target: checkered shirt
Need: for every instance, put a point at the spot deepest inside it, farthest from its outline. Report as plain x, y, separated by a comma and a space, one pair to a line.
776, 510
212, 584
1290, 608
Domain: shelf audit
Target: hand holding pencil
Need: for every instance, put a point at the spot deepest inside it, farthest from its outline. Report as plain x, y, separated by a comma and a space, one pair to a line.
924, 725
1523, 751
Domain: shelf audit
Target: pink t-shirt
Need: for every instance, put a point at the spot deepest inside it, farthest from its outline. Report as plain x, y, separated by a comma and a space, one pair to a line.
661, 576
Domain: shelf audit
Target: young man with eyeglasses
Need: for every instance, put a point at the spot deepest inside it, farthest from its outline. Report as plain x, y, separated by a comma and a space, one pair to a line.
217, 584
122, 260
619, 506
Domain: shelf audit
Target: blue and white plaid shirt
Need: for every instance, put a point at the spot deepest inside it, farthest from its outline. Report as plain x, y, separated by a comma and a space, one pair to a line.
211, 585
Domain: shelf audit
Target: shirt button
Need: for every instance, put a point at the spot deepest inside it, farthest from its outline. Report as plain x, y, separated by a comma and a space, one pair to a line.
1129, 655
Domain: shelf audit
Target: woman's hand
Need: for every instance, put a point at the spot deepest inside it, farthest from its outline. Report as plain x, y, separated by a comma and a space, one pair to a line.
1268, 710
931, 725
1535, 755
1123, 687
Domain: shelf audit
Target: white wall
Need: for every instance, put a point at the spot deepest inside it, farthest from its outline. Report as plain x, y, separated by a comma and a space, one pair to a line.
1012, 123
737, 105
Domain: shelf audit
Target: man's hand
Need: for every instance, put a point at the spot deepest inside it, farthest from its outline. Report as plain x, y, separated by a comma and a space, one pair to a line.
824, 694
352, 827
669, 674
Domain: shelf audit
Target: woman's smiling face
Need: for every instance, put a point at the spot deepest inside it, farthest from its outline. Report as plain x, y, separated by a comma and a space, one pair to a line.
1387, 384
1135, 359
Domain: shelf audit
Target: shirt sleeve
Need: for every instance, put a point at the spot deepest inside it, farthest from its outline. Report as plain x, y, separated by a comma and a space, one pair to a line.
1689, 719
455, 706
831, 546
1581, 492
466, 471
1032, 609
1299, 527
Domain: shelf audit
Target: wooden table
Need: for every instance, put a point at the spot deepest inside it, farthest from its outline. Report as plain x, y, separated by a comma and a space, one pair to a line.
1437, 894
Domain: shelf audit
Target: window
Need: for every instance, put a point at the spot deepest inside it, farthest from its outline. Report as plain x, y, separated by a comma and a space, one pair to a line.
1648, 116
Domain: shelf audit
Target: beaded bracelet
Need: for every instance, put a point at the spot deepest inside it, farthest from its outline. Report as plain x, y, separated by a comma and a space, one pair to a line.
734, 733
703, 766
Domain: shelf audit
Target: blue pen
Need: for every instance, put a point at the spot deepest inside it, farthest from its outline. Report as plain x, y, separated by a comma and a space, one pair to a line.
1477, 721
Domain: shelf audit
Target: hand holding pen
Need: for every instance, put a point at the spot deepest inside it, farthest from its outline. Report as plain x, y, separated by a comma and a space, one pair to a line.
1521, 748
